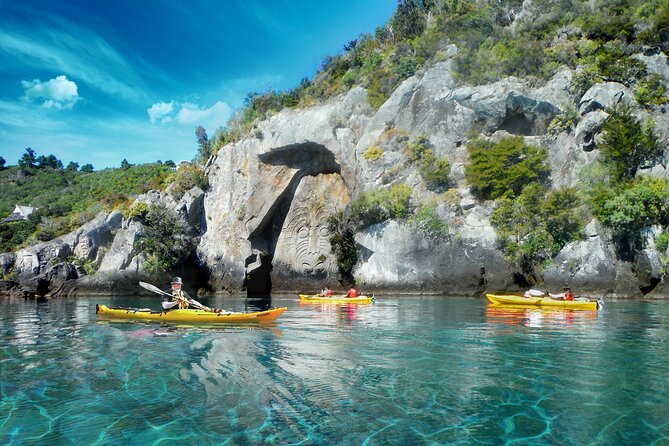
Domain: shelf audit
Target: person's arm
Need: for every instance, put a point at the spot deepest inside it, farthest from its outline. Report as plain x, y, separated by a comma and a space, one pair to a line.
195, 303
169, 304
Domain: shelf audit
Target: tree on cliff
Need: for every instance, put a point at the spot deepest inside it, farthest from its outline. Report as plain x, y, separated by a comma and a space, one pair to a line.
629, 145
503, 169
204, 149
73, 166
164, 241
49, 161
28, 159
2, 163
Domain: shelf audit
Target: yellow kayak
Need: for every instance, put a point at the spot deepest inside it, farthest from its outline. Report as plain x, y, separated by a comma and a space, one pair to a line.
189, 315
341, 299
507, 299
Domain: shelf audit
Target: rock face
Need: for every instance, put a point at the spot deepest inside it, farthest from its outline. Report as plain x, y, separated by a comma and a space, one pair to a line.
398, 257
46, 269
262, 224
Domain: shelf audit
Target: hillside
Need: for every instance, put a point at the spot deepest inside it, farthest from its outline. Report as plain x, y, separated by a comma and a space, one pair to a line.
67, 198
531, 39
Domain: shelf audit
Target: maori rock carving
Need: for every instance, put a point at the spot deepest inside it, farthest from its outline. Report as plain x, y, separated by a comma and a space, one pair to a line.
304, 243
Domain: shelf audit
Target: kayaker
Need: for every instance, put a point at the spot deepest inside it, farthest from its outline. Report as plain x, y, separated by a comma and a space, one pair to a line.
326, 292
180, 299
352, 292
566, 294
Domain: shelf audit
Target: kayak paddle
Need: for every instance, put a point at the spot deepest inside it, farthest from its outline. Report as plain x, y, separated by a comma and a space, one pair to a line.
155, 289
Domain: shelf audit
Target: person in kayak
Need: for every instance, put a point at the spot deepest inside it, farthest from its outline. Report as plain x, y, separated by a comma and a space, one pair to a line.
180, 299
566, 294
326, 292
352, 292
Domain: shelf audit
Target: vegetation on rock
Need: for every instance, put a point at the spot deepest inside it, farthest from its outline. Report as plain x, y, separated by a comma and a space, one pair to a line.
164, 241
628, 145
534, 226
492, 39
377, 206
503, 169
342, 244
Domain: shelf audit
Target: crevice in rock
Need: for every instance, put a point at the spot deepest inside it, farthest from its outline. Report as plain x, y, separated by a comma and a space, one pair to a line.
654, 282
518, 124
310, 159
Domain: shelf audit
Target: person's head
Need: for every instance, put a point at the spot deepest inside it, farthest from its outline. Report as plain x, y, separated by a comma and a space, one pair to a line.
566, 288
176, 283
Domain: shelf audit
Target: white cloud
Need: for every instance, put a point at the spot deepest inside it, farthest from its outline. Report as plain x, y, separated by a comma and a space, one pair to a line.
59, 93
76, 51
189, 114
160, 110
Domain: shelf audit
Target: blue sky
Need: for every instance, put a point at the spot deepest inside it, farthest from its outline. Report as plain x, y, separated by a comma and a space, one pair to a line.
99, 81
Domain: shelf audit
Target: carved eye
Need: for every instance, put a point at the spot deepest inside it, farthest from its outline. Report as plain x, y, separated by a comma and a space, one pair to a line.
324, 232
303, 232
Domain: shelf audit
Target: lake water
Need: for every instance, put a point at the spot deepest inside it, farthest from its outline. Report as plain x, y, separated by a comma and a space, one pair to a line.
404, 370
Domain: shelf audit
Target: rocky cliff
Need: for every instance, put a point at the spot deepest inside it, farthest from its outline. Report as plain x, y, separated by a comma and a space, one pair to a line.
262, 225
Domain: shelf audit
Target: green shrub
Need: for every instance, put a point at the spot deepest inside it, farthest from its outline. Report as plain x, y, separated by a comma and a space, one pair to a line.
342, 243
377, 206
138, 209
433, 169
373, 153
164, 241
651, 90
534, 226
414, 150
565, 121
186, 178
350, 78
628, 145
430, 223
662, 242
503, 169
630, 208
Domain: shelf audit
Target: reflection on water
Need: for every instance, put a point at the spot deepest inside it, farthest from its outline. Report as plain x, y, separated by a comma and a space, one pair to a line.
409, 370
538, 317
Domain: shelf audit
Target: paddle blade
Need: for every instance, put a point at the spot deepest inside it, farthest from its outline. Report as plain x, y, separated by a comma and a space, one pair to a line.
148, 286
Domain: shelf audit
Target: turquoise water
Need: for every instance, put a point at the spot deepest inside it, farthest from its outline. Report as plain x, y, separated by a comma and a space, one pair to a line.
406, 370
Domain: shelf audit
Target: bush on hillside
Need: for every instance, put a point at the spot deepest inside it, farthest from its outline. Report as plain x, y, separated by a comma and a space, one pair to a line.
535, 225
379, 205
373, 153
433, 169
164, 241
342, 243
186, 178
430, 223
631, 208
628, 145
503, 169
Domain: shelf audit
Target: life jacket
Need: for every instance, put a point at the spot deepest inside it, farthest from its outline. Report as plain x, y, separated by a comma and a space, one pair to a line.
352, 293
569, 295
179, 295
328, 292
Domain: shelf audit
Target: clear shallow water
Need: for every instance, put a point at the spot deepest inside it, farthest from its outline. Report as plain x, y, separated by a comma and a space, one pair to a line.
405, 370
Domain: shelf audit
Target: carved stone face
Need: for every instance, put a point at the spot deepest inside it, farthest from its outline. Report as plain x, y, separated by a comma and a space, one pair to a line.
311, 238
304, 243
